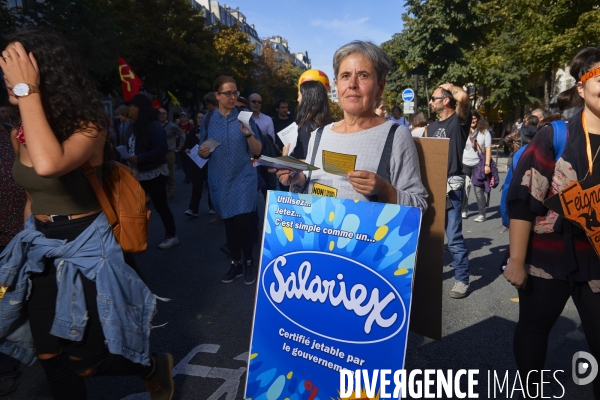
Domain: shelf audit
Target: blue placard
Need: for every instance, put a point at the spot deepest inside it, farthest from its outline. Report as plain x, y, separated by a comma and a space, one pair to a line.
408, 94
333, 292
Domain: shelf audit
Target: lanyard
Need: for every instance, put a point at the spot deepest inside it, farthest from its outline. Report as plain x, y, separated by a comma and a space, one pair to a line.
588, 145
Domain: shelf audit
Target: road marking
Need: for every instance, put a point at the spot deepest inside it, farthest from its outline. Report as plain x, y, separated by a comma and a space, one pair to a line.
232, 377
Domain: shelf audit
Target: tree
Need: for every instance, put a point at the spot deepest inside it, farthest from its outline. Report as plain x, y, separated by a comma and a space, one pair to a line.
170, 48
235, 56
502, 47
336, 110
165, 41
436, 36
544, 34
275, 78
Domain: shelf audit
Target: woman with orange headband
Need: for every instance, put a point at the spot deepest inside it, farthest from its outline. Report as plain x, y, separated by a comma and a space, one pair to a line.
552, 252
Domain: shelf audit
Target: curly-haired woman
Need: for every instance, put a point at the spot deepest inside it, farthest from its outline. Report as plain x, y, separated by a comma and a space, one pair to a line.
74, 302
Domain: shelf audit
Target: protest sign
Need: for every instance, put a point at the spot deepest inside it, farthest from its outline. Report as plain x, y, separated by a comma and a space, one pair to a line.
333, 292
426, 318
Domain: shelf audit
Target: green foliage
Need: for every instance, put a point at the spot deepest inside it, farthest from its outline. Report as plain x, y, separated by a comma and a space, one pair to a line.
166, 43
275, 79
235, 56
499, 46
336, 111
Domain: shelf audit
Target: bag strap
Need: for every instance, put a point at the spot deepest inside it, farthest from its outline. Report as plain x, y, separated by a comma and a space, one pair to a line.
559, 139
478, 148
205, 122
386, 154
90, 173
318, 135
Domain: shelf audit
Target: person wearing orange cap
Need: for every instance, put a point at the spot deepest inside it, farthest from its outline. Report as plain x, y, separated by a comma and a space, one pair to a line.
314, 75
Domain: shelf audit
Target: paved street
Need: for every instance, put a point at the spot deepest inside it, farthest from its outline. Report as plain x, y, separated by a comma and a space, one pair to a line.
207, 323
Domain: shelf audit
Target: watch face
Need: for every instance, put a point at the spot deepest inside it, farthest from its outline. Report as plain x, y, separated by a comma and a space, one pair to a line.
21, 89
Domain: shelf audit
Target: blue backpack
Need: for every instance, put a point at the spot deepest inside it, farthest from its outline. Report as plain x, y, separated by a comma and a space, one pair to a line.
560, 142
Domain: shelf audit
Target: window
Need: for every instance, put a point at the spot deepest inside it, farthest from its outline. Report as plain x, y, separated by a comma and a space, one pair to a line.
15, 3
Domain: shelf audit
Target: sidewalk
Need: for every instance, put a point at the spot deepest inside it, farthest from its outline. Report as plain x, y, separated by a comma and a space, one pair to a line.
500, 159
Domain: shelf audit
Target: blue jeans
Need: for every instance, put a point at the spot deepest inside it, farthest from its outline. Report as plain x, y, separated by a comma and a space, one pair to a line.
456, 242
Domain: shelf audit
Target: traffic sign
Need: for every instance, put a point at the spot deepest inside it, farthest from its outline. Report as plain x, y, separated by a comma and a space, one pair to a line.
408, 94
409, 107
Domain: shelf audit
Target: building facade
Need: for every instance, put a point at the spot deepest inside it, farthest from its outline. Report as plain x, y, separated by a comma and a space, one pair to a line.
221, 13
283, 53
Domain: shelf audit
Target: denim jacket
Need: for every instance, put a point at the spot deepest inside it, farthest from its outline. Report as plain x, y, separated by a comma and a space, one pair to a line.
125, 304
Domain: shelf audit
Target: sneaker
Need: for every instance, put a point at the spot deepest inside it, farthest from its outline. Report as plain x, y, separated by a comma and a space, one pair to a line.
480, 218
211, 211
234, 272
464, 215
459, 290
249, 276
217, 220
160, 385
190, 213
169, 242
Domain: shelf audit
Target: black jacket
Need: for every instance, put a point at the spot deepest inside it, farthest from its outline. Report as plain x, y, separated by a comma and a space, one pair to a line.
527, 133
151, 148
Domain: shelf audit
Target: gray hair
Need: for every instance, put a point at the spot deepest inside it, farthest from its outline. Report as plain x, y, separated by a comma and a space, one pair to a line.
379, 58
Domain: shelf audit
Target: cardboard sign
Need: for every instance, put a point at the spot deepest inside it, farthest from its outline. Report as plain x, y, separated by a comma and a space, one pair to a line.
581, 207
333, 292
426, 315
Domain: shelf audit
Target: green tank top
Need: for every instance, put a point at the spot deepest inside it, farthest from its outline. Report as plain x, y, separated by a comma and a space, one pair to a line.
66, 195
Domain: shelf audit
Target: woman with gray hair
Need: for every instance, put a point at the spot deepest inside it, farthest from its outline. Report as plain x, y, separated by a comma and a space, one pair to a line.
385, 163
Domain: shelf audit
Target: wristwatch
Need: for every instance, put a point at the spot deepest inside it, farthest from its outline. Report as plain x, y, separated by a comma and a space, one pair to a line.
24, 89
487, 165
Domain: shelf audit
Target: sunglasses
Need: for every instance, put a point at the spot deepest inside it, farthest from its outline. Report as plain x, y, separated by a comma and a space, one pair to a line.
434, 98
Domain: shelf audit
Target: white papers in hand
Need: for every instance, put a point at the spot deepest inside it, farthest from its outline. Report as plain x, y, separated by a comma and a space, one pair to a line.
244, 118
196, 158
284, 163
289, 136
211, 143
123, 152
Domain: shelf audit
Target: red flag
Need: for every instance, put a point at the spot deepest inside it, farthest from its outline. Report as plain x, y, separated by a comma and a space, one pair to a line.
156, 104
129, 80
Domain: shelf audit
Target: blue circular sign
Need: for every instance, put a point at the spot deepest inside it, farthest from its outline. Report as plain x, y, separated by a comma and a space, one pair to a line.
408, 94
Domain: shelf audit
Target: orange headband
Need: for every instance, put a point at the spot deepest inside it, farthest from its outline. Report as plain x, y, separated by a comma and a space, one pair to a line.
590, 74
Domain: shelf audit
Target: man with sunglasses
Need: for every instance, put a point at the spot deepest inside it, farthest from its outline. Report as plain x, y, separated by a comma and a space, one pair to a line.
451, 104
264, 122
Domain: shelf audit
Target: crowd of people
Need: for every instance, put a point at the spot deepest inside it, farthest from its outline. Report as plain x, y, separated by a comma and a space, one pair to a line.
50, 208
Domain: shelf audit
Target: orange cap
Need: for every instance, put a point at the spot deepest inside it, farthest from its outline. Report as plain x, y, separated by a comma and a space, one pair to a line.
314, 75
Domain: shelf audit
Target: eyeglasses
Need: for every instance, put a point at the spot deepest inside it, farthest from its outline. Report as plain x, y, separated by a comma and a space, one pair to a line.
230, 94
434, 98
255, 101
